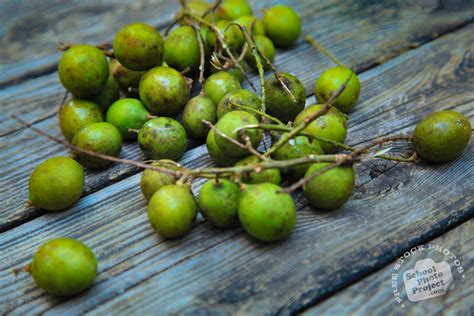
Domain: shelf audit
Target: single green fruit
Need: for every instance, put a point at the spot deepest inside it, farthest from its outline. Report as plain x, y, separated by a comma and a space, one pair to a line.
254, 177
253, 25
172, 210
233, 9
77, 114
102, 138
219, 84
127, 114
237, 73
128, 80
282, 25
217, 154
162, 138
331, 189
297, 147
109, 94
229, 124
279, 102
164, 91
331, 80
83, 71
182, 49
218, 202
64, 267
442, 136
197, 109
138, 47
239, 97
266, 47
56, 184
265, 213
332, 125
152, 180
232, 36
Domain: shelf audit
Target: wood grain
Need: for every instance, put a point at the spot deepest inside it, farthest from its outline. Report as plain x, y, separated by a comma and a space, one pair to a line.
395, 207
373, 294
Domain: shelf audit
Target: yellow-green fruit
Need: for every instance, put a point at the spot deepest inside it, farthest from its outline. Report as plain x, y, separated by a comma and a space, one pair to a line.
138, 47
56, 184
238, 97
64, 267
219, 84
266, 213
237, 73
217, 154
329, 83
127, 114
442, 136
233, 9
197, 109
218, 202
83, 71
254, 177
182, 49
109, 94
126, 79
102, 138
77, 114
282, 25
265, 47
198, 8
172, 210
231, 33
331, 189
153, 180
332, 125
253, 25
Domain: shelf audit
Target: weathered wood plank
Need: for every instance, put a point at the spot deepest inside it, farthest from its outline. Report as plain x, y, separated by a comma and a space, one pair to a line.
373, 294
360, 34
226, 271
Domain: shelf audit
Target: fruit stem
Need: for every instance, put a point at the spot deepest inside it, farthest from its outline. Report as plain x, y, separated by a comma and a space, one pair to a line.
318, 46
202, 63
268, 116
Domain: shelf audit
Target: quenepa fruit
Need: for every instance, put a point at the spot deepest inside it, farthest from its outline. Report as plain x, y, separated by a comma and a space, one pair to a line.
332, 125
63, 267
138, 47
164, 91
253, 25
127, 114
172, 210
265, 46
126, 79
102, 138
182, 49
442, 136
282, 25
279, 102
83, 71
197, 109
56, 184
162, 138
232, 36
331, 80
233, 9
219, 84
218, 202
265, 213
109, 94
153, 180
254, 177
77, 114
217, 154
331, 189
240, 97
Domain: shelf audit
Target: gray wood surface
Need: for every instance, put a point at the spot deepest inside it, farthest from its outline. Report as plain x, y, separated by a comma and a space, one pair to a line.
395, 207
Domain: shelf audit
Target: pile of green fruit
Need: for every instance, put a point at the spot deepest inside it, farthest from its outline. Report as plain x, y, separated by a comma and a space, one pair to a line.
158, 110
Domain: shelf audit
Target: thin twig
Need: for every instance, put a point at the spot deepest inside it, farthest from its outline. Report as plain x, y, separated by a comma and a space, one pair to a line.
202, 63
313, 42
253, 151
268, 116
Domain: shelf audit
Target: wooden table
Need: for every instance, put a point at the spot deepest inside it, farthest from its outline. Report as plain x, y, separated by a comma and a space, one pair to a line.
413, 57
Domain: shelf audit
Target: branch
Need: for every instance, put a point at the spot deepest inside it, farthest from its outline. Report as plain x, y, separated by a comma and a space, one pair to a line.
313, 42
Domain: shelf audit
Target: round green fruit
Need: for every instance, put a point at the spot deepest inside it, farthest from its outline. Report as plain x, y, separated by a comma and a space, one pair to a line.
442, 136
231, 33
282, 25
102, 138
331, 80
109, 94
253, 25
332, 125
219, 84
162, 138
127, 114
228, 125
239, 97
331, 189
138, 47
56, 184
266, 47
265, 213
77, 114
233, 9
237, 73
218, 202
83, 71
197, 109
182, 49
217, 154
126, 79
279, 102
254, 177
172, 210
164, 91
64, 267
153, 180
